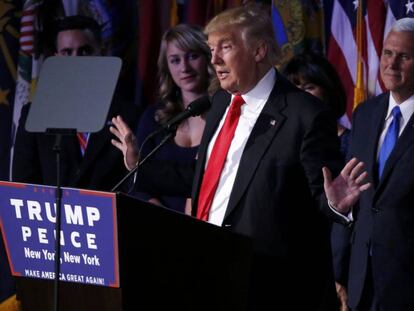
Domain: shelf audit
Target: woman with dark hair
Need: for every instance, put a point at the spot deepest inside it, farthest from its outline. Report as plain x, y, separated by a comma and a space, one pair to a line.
314, 74
185, 74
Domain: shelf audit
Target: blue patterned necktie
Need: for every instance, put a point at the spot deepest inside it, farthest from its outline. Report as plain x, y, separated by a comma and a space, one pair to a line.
390, 139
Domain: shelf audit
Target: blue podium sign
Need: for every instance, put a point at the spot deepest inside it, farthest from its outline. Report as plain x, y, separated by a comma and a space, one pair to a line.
89, 236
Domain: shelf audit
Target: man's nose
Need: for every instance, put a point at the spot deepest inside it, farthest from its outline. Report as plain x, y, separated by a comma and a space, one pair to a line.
215, 58
76, 52
394, 61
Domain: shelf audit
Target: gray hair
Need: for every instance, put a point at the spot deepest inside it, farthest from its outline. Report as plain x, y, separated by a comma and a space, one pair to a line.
404, 24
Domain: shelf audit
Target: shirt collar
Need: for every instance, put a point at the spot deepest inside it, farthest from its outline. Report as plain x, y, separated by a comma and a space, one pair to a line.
406, 107
261, 92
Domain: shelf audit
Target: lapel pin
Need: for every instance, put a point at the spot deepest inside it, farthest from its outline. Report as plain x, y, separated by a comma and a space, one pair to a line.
272, 122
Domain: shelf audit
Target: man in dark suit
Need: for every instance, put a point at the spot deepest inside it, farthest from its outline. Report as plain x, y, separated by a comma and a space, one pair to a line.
100, 168
381, 273
267, 181
97, 167
7, 286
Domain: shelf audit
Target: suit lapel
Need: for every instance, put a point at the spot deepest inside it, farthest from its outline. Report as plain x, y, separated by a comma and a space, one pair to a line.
220, 103
266, 127
96, 142
377, 117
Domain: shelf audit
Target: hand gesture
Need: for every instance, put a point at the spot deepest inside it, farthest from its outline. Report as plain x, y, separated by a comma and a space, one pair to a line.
342, 297
126, 141
344, 191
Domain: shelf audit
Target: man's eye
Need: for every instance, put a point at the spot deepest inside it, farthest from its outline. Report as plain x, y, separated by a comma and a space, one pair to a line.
405, 57
86, 51
386, 52
65, 52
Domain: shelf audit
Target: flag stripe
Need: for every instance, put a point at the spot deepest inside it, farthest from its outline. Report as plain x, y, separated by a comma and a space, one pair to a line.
378, 17
337, 58
341, 30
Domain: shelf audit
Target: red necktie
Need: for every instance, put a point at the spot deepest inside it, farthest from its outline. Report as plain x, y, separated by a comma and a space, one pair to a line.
83, 141
218, 158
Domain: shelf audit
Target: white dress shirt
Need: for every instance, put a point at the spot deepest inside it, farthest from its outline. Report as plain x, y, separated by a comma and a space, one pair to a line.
407, 109
250, 111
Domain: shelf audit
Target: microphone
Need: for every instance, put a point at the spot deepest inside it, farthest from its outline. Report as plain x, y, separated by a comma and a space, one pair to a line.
195, 108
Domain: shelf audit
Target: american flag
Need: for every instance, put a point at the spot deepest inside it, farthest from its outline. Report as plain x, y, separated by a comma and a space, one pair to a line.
10, 14
346, 49
27, 28
28, 66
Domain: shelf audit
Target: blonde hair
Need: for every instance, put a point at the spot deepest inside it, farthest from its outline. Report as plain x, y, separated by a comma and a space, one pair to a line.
255, 24
187, 38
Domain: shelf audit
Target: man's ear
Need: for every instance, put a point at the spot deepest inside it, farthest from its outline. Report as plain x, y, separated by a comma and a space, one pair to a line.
260, 51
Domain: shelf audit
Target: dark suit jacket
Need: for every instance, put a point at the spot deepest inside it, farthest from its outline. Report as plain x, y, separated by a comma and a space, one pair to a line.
277, 198
7, 286
100, 168
385, 216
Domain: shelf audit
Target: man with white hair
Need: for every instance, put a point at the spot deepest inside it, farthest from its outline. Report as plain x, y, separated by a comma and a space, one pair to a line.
381, 275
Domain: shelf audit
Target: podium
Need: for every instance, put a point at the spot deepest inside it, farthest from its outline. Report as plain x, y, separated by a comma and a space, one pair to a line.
166, 260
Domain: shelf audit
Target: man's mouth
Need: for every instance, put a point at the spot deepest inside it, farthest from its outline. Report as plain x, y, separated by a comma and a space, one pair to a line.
222, 74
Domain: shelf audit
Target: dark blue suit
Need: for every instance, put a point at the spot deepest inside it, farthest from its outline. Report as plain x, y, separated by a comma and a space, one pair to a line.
99, 169
384, 224
7, 287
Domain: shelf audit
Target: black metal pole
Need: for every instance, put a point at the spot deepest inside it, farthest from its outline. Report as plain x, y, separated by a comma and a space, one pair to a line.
58, 197
163, 141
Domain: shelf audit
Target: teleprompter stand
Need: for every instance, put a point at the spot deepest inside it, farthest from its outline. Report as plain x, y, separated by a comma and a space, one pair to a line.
73, 95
